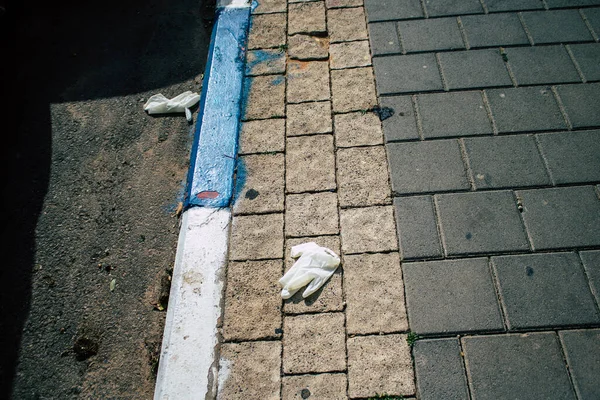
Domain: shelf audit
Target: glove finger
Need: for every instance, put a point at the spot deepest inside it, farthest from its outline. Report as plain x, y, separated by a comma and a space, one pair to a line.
313, 287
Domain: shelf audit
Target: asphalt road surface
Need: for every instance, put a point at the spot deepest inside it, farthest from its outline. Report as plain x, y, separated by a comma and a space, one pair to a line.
90, 185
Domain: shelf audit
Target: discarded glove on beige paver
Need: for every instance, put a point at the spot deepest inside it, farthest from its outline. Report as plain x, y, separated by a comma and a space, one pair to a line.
315, 266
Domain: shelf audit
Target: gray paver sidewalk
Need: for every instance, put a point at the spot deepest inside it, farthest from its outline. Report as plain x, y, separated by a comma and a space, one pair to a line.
494, 155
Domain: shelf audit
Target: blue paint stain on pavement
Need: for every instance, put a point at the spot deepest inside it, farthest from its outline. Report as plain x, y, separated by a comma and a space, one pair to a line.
254, 5
261, 57
277, 80
213, 160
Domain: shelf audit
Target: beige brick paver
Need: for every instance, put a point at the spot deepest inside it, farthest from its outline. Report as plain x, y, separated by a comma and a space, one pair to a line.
350, 54
266, 31
270, 6
266, 97
379, 364
252, 300
315, 170
310, 163
250, 371
346, 24
305, 47
309, 118
266, 61
374, 294
321, 386
363, 176
255, 237
262, 136
353, 89
263, 190
369, 229
307, 81
357, 129
314, 343
343, 3
308, 17
311, 214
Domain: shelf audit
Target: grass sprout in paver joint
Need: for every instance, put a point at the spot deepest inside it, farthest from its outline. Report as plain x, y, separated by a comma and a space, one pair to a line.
411, 338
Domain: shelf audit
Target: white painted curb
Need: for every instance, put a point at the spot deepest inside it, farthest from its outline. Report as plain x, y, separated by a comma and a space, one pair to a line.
189, 357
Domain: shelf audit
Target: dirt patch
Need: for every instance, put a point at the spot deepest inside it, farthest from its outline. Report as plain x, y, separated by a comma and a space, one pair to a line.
94, 224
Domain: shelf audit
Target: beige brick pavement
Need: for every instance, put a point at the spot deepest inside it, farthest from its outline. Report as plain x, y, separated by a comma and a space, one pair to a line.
314, 168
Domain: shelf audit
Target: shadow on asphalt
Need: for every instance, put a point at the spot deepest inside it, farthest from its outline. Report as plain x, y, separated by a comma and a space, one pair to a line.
69, 52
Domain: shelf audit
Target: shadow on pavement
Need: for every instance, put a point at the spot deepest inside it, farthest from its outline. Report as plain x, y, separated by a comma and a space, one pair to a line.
72, 52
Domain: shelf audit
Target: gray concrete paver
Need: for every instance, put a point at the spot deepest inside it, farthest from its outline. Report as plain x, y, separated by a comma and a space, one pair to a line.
529, 364
430, 34
474, 69
591, 264
453, 114
582, 104
587, 56
439, 369
494, 29
384, 38
542, 64
525, 109
436, 8
402, 125
544, 290
556, 26
450, 296
417, 227
572, 157
505, 162
559, 218
521, 135
407, 74
383, 10
480, 223
426, 167
581, 349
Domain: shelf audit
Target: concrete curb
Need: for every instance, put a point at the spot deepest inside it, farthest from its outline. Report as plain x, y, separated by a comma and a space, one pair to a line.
189, 355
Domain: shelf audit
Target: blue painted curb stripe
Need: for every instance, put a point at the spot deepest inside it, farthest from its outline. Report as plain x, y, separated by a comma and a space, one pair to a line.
213, 159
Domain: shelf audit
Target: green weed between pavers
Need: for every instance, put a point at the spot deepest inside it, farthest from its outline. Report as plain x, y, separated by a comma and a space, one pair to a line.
411, 338
386, 397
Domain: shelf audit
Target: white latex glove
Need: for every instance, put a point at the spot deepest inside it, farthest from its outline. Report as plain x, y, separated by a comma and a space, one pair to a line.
159, 104
315, 266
